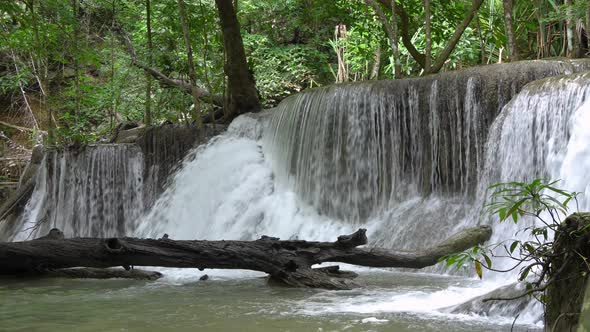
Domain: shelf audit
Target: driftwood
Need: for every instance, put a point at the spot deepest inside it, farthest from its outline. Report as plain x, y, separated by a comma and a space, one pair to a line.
288, 262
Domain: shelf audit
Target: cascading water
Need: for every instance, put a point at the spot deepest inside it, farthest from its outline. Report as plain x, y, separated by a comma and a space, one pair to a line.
95, 192
244, 205
404, 159
405, 164
540, 134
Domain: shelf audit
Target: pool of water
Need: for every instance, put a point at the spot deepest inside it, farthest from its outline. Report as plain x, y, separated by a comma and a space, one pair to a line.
242, 301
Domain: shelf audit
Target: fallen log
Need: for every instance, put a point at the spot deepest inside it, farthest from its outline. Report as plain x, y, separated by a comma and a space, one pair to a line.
94, 273
288, 262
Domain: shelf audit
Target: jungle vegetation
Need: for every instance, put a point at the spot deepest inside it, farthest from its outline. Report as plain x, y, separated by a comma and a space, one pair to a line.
71, 71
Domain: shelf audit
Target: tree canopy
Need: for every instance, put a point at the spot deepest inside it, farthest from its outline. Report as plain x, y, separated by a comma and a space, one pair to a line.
70, 71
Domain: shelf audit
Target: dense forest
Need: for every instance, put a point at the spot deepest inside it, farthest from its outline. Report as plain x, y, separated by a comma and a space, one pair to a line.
71, 71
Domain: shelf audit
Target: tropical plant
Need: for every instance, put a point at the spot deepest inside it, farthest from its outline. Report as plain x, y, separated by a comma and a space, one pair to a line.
541, 207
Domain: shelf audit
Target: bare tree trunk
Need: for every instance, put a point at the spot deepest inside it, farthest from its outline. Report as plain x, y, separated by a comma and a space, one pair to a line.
340, 34
242, 93
482, 45
391, 30
41, 74
542, 39
376, 64
512, 47
25, 98
148, 77
588, 31
76, 10
428, 49
113, 110
397, 65
573, 42
191, 67
210, 116
452, 43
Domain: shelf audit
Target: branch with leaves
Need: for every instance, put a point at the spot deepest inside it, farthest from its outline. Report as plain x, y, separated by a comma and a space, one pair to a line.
541, 261
183, 85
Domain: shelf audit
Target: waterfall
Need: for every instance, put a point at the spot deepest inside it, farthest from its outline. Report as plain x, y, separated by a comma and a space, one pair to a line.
343, 146
244, 205
542, 133
92, 192
353, 151
410, 160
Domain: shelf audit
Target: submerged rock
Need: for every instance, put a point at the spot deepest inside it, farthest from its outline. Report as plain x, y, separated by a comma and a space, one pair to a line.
512, 308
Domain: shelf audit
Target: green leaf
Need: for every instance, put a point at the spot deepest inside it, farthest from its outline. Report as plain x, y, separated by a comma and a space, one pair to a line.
525, 273
513, 246
559, 191
502, 213
488, 261
478, 269
515, 217
514, 209
529, 247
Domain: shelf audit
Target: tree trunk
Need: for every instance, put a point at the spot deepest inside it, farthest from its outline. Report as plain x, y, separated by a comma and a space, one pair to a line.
94, 273
512, 47
40, 54
74, 53
340, 34
451, 43
376, 64
588, 23
573, 42
148, 77
542, 39
397, 65
191, 67
569, 273
113, 109
428, 48
391, 30
242, 94
289, 262
482, 45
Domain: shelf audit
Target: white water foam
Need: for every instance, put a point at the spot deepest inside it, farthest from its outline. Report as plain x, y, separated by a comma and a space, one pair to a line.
248, 204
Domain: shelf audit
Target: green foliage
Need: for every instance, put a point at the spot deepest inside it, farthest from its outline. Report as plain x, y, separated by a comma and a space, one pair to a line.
539, 200
283, 70
290, 46
518, 199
